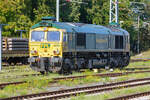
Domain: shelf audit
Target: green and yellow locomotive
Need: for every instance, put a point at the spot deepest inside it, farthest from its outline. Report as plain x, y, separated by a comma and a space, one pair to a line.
63, 46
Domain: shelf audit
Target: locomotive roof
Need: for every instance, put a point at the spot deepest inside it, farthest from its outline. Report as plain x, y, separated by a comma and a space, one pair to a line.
81, 27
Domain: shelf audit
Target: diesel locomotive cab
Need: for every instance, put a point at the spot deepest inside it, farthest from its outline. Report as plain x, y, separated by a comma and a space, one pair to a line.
45, 47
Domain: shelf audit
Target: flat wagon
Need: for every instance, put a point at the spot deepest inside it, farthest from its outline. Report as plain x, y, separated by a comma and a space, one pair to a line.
15, 50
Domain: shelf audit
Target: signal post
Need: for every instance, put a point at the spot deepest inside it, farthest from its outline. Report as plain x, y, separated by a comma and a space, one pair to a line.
1, 26
0, 47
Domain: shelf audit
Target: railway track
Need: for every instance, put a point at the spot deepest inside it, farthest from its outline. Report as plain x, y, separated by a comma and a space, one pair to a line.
20, 76
54, 95
100, 75
11, 83
140, 59
55, 80
132, 96
27, 70
17, 70
138, 68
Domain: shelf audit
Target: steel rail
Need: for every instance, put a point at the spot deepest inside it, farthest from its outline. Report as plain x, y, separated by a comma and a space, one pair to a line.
54, 95
100, 75
131, 96
140, 60
3, 85
27, 70
16, 83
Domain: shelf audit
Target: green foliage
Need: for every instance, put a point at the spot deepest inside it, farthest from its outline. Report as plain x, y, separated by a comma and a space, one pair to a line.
139, 64
79, 96
75, 12
25, 88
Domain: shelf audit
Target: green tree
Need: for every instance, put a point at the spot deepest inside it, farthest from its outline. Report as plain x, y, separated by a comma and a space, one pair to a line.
74, 15
42, 10
94, 12
13, 15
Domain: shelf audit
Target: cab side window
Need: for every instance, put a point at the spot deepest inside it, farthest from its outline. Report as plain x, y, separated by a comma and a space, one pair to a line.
64, 37
81, 39
119, 42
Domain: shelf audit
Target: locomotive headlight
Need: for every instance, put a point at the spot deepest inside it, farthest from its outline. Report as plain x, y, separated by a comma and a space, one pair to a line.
56, 52
33, 52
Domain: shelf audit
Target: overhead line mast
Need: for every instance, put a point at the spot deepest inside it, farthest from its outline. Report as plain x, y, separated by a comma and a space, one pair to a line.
57, 10
114, 12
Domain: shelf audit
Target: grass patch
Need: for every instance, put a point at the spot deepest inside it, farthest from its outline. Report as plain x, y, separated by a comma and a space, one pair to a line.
145, 54
86, 80
16, 71
31, 86
139, 64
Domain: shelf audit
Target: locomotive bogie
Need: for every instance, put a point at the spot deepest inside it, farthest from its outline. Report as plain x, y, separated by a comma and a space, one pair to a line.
45, 63
98, 59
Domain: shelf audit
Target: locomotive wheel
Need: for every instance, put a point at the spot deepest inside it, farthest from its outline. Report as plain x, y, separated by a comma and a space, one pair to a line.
42, 72
76, 68
126, 63
112, 65
66, 69
10, 63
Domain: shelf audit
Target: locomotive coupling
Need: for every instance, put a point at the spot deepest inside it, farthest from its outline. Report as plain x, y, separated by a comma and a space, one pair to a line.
32, 59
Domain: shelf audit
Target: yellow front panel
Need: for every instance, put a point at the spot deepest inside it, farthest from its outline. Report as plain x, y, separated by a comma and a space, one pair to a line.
45, 48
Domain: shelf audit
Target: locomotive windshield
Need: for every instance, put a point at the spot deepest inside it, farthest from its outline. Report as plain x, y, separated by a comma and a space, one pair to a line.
37, 36
53, 36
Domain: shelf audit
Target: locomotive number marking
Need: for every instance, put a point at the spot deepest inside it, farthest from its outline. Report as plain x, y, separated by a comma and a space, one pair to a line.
101, 41
45, 45
56, 45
